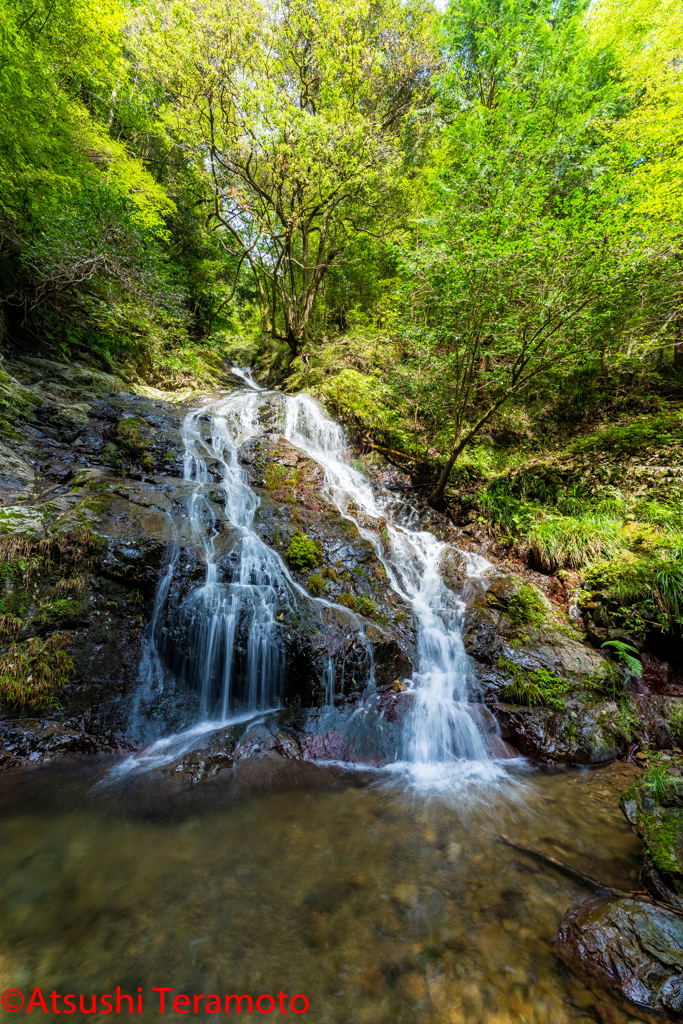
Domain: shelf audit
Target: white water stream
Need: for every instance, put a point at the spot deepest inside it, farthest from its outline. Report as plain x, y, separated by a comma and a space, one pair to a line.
441, 733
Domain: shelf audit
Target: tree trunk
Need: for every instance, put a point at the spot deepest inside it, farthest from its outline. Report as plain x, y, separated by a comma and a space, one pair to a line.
678, 341
438, 492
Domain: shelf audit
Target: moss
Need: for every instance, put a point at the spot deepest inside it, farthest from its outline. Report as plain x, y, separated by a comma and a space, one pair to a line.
274, 476
526, 607
673, 712
661, 840
60, 613
316, 584
366, 606
33, 672
531, 688
626, 722
303, 552
348, 600
130, 433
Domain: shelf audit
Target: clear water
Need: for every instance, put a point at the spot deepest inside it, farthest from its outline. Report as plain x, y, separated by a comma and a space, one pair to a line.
287, 876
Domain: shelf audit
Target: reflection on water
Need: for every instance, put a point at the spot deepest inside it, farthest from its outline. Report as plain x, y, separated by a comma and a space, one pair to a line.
297, 878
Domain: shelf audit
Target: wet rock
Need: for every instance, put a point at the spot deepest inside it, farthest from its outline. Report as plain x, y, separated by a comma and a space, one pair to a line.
63, 422
575, 735
481, 634
33, 741
216, 755
16, 475
257, 740
634, 949
653, 806
20, 520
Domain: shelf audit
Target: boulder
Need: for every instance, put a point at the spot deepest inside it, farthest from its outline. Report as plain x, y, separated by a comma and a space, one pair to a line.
629, 947
577, 734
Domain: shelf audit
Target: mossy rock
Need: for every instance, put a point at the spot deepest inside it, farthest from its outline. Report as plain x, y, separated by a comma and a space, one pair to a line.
654, 809
63, 613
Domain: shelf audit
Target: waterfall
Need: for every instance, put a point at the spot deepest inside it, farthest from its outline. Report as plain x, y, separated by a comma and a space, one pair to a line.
440, 728
231, 616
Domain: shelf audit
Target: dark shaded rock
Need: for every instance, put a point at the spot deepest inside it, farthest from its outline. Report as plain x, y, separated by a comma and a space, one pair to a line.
659, 884
634, 949
63, 422
258, 739
33, 741
16, 475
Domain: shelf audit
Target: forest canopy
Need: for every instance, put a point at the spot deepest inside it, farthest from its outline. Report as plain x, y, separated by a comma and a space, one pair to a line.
424, 217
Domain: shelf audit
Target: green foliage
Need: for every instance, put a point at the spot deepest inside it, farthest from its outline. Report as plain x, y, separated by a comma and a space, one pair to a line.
316, 584
303, 552
303, 128
641, 588
526, 607
366, 606
662, 786
349, 601
531, 688
651, 434
627, 653
31, 673
608, 682
558, 541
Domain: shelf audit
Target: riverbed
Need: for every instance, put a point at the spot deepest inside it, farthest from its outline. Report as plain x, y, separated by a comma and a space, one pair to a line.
378, 907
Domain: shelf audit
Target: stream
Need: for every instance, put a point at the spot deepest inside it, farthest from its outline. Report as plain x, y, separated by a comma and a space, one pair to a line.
379, 894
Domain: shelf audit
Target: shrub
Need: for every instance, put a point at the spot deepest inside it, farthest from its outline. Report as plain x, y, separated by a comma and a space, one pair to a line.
303, 552
652, 583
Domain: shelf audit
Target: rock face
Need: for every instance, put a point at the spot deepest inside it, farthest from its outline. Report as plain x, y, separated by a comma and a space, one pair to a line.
629, 947
109, 516
654, 809
94, 513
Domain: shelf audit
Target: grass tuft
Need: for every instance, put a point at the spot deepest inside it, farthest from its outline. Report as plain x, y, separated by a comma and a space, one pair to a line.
32, 673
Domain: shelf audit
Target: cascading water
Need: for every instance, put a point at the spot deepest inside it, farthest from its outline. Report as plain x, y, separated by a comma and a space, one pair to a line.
441, 728
232, 655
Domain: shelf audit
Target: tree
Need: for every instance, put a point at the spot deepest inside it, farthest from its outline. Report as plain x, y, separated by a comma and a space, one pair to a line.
646, 37
525, 235
78, 210
294, 113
